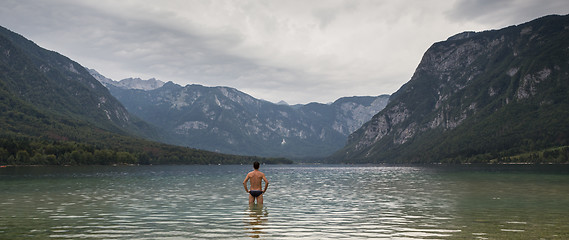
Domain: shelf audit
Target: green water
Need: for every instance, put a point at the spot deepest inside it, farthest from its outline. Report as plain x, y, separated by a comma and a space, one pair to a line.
303, 202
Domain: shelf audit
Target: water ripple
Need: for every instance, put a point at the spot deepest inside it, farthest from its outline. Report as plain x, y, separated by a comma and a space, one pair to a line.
303, 202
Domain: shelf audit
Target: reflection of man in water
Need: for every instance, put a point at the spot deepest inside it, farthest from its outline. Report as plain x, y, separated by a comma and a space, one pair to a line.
256, 176
257, 217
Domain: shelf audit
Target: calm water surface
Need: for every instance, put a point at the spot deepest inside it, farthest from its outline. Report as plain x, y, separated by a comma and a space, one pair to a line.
310, 202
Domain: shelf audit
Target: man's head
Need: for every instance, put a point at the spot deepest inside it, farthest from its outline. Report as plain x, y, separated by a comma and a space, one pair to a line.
256, 165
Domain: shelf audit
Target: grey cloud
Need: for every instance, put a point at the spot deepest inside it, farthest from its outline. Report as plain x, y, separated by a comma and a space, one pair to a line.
143, 46
296, 51
501, 13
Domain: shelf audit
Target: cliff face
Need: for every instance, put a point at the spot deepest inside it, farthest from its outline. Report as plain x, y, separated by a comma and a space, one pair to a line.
226, 120
471, 90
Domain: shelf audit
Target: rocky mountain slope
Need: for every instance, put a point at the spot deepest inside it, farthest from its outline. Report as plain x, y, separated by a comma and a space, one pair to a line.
226, 120
477, 97
53, 112
46, 80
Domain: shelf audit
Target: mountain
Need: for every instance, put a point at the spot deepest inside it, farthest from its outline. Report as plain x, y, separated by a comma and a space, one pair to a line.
52, 111
226, 120
127, 83
47, 80
492, 96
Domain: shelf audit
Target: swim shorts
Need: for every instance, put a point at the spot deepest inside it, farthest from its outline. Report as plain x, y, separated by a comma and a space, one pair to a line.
255, 193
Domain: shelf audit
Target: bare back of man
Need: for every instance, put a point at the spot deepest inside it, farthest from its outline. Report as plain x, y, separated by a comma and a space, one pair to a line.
255, 178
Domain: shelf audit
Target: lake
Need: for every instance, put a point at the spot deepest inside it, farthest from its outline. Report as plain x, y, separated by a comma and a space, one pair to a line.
302, 202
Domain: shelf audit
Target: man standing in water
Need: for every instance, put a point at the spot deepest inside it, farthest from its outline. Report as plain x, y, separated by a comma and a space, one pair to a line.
256, 176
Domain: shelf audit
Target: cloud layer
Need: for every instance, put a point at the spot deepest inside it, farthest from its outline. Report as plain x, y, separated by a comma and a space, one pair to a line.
297, 51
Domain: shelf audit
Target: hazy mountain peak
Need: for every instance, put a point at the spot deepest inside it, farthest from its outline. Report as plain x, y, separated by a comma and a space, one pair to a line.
102, 79
128, 83
138, 83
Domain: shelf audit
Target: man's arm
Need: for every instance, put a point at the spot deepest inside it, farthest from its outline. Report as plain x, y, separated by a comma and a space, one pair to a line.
266, 183
245, 183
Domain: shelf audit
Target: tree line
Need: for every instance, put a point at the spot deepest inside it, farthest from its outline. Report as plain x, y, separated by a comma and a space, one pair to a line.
36, 151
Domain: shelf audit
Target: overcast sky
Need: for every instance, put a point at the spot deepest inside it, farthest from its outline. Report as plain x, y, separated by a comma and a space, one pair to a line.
298, 51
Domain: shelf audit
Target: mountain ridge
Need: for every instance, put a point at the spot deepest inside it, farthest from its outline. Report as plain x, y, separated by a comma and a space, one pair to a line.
54, 82
53, 112
224, 119
460, 102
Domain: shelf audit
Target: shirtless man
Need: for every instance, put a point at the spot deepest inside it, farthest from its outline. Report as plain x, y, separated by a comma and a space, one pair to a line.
256, 176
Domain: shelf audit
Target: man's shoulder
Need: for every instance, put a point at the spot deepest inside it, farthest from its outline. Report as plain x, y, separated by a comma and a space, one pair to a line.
256, 173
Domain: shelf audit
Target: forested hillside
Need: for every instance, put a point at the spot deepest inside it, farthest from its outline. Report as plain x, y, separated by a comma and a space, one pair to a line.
52, 111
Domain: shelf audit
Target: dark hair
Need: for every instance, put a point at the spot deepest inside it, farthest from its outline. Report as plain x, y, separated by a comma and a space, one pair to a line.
256, 165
